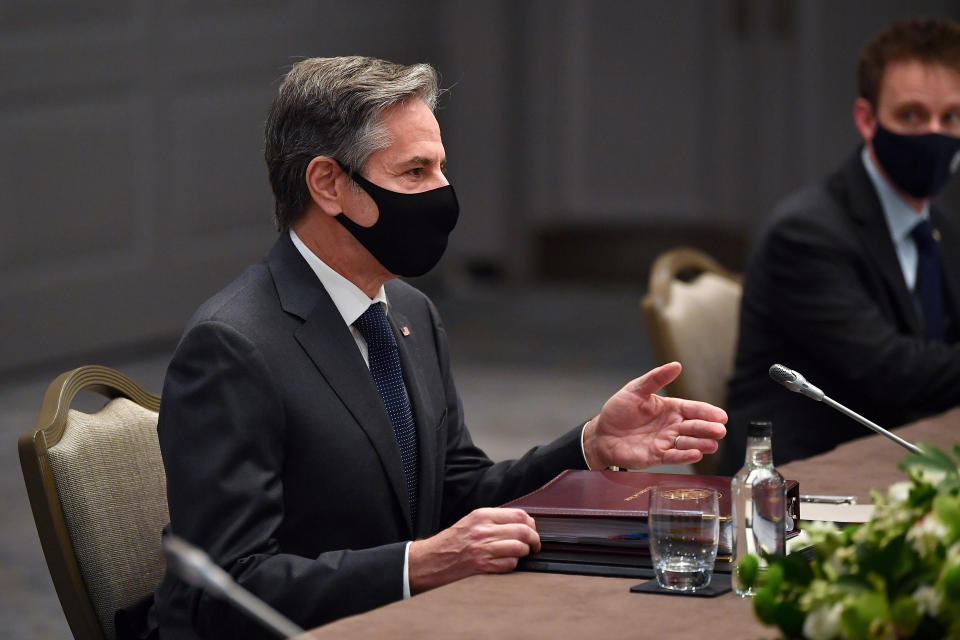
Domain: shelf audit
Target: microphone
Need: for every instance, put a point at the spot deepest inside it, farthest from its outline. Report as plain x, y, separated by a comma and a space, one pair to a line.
798, 384
195, 567
795, 382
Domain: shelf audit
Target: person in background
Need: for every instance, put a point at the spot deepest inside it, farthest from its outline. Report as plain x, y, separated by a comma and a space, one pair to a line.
311, 431
855, 281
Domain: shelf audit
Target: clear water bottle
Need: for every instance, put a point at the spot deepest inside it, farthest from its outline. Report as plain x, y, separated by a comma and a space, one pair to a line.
758, 499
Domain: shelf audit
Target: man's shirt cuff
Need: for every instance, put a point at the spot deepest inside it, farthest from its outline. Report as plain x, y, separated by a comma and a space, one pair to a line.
583, 451
406, 565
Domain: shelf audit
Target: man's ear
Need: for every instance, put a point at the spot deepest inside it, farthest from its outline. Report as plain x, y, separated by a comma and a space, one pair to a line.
865, 119
324, 185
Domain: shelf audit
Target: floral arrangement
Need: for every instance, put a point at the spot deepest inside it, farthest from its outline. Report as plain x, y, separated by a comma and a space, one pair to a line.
897, 576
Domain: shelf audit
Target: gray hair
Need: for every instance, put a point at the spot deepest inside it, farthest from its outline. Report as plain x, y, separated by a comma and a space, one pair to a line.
331, 107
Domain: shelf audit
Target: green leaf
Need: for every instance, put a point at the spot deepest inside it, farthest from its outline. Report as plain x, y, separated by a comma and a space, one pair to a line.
764, 605
954, 629
747, 570
932, 458
934, 452
789, 618
921, 495
887, 561
951, 582
949, 485
901, 560
917, 578
848, 532
905, 615
853, 584
863, 609
947, 510
773, 577
796, 569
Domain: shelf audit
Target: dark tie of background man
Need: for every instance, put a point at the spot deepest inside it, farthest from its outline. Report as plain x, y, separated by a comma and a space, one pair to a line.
385, 369
928, 290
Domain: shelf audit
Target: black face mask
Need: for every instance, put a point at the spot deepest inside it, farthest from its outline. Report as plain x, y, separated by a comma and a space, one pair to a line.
920, 164
411, 233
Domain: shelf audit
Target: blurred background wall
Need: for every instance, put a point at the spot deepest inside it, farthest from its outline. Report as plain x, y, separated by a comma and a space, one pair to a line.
583, 138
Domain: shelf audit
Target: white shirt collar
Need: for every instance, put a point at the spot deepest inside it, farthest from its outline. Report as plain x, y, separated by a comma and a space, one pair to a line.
901, 217
349, 299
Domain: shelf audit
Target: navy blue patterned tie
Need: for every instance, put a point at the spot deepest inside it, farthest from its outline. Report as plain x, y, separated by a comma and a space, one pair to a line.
928, 290
385, 369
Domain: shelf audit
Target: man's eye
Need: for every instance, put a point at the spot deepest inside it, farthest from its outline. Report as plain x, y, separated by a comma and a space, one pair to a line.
912, 116
416, 172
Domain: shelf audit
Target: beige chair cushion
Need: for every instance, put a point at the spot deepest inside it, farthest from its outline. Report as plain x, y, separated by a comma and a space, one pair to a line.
701, 321
113, 491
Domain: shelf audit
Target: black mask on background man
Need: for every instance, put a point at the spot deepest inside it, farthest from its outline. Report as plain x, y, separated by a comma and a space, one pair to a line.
919, 164
411, 233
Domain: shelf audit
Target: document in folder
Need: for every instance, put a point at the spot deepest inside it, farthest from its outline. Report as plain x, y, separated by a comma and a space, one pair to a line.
839, 513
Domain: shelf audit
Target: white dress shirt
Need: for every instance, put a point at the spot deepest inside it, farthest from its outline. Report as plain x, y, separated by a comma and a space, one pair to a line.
901, 219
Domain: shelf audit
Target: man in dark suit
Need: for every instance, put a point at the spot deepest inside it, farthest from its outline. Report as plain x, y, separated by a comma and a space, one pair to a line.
311, 431
855, 282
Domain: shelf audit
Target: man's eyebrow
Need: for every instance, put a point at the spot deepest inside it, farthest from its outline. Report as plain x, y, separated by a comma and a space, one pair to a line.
422, 161
910, 104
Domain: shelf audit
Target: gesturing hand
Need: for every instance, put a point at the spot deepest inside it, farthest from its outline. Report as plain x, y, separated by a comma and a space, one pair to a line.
484, 541
638, 429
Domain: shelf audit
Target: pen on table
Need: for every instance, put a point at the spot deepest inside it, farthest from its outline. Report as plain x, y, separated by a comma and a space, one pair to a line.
630, 536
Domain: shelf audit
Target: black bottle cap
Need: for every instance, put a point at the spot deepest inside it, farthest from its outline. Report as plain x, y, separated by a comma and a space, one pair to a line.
760, 429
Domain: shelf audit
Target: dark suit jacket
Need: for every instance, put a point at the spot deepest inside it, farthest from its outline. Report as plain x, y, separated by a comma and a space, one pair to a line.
281, 461
824, 294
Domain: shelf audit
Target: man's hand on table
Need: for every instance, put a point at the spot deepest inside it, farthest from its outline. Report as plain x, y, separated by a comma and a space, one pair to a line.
489, 540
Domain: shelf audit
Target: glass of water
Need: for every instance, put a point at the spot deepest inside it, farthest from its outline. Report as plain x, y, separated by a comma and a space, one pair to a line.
684, 530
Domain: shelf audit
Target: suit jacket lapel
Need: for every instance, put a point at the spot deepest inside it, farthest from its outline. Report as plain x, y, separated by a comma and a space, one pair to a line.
865, 207
424, 419
329, 343
950, 259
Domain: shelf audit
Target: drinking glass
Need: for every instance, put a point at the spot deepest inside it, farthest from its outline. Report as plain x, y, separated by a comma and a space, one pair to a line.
684, 530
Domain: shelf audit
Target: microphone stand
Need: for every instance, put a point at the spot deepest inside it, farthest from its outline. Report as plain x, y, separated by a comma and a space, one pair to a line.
794, 381
195, 567
871, 425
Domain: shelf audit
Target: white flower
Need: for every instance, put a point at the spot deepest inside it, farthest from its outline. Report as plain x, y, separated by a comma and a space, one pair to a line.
927, 599
799, 541
899, 492
823, 623
841, 559
953, 553
932, 476
811, 527
926, 533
